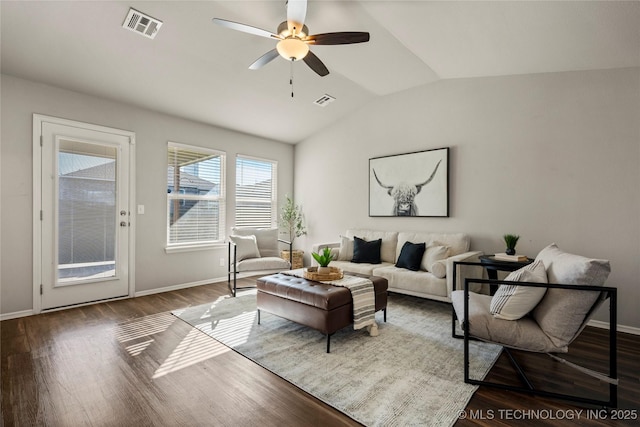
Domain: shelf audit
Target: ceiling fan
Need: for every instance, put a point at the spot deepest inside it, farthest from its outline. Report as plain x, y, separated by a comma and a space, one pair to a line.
294, 39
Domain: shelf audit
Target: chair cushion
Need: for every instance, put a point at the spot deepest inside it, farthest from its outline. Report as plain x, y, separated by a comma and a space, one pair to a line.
366, 252
411, 256
264, 263
267, 239
435, 252
561, 312
523, 334
512, 302
246, 247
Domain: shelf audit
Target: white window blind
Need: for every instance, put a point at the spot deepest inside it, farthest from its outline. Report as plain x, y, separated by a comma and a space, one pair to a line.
255, 192
195, 195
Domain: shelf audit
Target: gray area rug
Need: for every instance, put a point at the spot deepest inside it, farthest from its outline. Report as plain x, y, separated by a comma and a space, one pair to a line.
409, 375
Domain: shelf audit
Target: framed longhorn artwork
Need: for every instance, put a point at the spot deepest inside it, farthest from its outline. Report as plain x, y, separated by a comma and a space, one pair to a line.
410, 184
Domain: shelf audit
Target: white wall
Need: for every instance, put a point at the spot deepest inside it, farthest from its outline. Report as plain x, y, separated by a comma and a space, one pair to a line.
551, 157
154, 268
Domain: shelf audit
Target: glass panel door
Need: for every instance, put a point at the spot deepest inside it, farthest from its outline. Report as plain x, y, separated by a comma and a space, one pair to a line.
85, 214
87, 217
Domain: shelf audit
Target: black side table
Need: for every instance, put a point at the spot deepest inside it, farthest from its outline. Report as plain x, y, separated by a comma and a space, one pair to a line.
493, 265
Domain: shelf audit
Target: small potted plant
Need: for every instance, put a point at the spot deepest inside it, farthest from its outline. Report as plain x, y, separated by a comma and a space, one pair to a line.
323, 260
292, 220
510, 240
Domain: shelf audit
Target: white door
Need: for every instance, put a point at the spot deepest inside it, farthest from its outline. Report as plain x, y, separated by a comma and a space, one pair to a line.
85, 218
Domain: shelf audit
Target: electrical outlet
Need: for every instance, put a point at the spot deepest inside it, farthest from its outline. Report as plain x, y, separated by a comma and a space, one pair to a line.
221, 261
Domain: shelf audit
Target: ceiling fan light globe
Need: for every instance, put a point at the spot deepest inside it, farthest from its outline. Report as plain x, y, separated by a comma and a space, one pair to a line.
292, 49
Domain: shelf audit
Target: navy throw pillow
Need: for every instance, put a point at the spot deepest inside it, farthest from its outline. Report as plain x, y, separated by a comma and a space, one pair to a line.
366, 252
411, 256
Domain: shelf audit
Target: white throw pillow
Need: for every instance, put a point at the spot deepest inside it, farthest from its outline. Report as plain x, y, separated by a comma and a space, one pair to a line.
439, 269
346, 249
435, 252
246, 247
512, 302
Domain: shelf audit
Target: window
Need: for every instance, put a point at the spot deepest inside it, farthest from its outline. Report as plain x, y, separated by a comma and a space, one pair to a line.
195, 196
255, 192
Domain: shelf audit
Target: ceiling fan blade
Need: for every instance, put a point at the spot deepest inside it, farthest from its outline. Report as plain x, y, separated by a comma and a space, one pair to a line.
315, 64
245, 28
264, 59
296, 14
345, 37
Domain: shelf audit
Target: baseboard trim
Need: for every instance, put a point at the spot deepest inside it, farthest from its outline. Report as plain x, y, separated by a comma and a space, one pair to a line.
16, 314
179, 286
24, 313
621, 328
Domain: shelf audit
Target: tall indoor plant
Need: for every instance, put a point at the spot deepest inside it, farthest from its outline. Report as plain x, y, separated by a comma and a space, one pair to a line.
292, 221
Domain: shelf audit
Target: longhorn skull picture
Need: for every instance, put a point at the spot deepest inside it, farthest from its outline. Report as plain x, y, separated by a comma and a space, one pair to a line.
402, 191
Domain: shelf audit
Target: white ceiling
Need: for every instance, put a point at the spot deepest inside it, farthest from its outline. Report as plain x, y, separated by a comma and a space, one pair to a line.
197, 70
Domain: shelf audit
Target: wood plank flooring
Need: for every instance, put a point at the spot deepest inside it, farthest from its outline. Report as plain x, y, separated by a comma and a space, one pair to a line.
131, 363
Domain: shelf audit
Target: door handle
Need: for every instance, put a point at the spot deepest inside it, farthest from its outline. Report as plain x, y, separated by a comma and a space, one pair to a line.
123, 224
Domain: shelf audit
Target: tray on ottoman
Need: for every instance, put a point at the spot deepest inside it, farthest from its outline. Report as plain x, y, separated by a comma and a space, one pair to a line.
317, 305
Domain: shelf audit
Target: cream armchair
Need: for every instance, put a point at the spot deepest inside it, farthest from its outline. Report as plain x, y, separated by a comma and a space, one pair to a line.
254, 251
540, 308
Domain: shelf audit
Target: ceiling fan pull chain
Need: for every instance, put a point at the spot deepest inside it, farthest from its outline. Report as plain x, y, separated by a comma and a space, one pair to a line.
291, 77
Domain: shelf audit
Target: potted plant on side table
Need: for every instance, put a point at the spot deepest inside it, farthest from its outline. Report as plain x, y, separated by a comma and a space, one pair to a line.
511, 240
292, 221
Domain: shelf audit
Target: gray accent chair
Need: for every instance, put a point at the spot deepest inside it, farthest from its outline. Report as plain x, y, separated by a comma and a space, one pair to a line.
253, 250
574, 293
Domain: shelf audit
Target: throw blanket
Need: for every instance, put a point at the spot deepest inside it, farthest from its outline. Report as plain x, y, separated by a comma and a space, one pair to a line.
362, 294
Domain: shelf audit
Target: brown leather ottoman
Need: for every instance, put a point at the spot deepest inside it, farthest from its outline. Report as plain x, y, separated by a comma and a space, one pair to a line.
317, 305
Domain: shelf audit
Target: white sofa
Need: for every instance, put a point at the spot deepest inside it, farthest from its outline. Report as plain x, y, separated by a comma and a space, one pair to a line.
421, 283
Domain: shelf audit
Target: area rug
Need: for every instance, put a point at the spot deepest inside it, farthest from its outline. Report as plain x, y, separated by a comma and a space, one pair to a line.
409, 375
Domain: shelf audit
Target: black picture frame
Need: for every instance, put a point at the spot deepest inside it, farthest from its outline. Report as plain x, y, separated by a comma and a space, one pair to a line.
410, 184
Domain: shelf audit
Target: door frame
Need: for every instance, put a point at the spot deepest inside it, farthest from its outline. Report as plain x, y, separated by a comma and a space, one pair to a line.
38, 120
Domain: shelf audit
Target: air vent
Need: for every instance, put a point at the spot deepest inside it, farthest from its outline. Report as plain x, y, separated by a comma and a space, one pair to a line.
324, 100
142, 24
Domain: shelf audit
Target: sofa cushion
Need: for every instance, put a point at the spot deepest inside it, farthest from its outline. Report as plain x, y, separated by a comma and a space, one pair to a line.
411, 256
412, 282
366, 252
350, 267
389, 241
458, 242
434, 253
267, 239
246, 247
561, 312
346, 249
512, 302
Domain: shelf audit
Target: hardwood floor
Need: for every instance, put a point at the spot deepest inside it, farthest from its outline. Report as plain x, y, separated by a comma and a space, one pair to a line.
130, 362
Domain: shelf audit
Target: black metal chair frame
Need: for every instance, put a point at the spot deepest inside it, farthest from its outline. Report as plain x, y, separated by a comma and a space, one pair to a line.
233, 268
611, 294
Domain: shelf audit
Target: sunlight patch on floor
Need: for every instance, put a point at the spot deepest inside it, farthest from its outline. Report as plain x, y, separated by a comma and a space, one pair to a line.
233, 331
144, 327
195, 347
137, 348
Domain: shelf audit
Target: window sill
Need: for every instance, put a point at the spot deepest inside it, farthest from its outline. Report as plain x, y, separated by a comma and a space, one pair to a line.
191, 248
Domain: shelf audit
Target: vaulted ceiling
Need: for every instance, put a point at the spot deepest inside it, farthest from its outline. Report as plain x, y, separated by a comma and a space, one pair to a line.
197, 70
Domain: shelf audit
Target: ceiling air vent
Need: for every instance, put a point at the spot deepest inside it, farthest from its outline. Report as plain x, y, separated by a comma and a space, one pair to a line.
142, 24
324, 100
